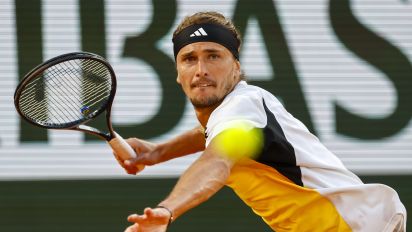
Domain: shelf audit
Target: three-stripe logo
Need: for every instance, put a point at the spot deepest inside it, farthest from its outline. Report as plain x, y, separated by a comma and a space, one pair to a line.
199, 32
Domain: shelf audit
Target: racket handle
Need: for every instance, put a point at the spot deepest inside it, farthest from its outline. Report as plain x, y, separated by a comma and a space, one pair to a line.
123, 149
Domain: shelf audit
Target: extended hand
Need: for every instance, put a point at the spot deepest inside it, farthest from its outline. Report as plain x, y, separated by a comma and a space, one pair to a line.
144, 150
153, 220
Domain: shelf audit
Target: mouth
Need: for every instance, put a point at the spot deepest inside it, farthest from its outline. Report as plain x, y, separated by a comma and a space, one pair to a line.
202, 85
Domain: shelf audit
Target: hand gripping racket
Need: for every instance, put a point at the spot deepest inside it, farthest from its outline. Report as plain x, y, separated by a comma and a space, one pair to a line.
69, 90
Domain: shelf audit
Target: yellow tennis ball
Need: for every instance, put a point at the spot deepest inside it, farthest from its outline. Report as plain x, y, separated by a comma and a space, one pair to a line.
240, 141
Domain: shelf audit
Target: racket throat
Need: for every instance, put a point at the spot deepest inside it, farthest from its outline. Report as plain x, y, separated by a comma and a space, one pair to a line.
94, 131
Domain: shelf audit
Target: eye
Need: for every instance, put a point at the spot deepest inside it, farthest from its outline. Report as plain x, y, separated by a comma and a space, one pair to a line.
214, 56
189, 59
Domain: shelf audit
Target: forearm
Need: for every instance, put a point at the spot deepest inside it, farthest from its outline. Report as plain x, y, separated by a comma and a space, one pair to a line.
203, 179
190, 142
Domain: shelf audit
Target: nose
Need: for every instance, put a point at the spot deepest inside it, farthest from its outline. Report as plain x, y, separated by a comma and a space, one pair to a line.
201, 69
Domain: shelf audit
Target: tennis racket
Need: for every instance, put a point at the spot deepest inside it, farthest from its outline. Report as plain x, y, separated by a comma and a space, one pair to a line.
68, 91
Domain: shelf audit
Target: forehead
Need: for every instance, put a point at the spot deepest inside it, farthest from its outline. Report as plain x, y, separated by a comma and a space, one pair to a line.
202, 47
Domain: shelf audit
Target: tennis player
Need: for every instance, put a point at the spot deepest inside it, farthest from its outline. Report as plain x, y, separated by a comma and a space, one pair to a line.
294, 183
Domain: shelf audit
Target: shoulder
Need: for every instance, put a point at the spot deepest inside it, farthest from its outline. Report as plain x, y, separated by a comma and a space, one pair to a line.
244, 95
244, 103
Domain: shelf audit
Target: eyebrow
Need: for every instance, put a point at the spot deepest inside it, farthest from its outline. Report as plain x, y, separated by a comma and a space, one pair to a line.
187, 54
212, 50
207, 50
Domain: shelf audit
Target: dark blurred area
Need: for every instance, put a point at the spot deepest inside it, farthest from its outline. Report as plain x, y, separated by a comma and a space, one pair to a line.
103, 205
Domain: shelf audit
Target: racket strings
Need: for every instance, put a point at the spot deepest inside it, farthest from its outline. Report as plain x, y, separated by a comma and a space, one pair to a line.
67, 92
59, 99
40, 110
27, 95
43, 115
88, 87
92, 99
43, 79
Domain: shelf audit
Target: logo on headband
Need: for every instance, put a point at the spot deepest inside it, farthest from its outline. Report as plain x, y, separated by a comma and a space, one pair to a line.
199, 32
206, 32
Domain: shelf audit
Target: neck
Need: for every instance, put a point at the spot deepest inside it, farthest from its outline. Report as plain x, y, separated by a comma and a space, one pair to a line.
204, 113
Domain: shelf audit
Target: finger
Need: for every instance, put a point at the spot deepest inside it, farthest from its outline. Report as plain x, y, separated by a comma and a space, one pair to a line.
149, 212
139, 159
129, 163
134, 143
133, 218
127, 166
131, 141
134, 166
131, 170
148, 215
130, 167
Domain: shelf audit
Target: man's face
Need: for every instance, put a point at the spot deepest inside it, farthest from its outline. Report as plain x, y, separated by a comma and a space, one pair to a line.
207, 72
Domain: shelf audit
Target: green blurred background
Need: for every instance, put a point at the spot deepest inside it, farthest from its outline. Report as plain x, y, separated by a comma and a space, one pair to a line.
103, 205
340, 66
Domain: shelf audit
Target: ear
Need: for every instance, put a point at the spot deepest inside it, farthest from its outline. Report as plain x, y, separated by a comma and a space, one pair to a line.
178, 79
237, 69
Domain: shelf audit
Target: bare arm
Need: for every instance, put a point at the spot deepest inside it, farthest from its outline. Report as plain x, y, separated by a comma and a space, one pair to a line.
187, 143
190, 142
199, 182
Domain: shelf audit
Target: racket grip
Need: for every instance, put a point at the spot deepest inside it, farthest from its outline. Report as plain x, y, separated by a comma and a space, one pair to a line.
123, 149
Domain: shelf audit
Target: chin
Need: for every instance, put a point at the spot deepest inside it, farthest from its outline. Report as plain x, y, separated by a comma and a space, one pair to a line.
205, 102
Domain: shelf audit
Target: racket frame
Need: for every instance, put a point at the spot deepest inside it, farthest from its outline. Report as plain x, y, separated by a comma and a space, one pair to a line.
79, 124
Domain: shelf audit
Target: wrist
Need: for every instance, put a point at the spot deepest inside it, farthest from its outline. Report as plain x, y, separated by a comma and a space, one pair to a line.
159, 153
171, 218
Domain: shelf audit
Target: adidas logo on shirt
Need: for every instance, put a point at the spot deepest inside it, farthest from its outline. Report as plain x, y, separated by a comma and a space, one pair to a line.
199, 32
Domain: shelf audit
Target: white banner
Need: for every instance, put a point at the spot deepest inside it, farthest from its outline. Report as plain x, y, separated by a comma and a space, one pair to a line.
331, 70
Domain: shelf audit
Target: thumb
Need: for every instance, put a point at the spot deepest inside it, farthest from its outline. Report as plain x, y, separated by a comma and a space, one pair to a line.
140, 159
134, 165
133, 162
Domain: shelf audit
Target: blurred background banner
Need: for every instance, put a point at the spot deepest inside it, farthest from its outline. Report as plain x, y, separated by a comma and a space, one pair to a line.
342, 67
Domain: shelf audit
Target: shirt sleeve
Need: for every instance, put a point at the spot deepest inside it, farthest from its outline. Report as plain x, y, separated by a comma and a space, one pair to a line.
244, 108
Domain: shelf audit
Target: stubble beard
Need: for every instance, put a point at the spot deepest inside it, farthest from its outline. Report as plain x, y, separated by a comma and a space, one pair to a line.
206, 102
210, 101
